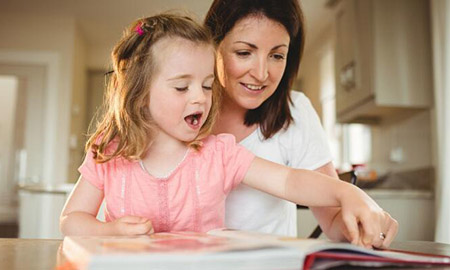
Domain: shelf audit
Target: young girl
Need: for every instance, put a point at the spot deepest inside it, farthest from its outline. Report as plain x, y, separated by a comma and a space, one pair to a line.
151, 157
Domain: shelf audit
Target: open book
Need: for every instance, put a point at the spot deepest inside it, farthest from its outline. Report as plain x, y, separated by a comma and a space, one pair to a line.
318, 254
229, 249
177, 250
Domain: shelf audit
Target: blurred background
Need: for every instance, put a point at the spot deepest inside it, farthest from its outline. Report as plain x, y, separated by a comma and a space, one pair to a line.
376, 71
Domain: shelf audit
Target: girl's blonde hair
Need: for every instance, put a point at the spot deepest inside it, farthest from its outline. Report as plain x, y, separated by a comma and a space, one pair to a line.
127, 118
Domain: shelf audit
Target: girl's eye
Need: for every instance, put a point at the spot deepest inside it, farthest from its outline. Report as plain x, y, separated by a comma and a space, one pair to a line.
181, 89
279, 56
207, 87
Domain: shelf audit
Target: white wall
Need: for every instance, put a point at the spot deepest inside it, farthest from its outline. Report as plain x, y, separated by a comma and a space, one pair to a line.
98, 57
77, 136
411, 135
46, 40
309, 72
440, 10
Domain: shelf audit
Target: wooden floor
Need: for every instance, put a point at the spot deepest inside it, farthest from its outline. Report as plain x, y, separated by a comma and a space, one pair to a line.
9, 230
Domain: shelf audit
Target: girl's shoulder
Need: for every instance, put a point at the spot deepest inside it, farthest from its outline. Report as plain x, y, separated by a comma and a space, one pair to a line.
222, 150
219, 142
110, 147
109, 150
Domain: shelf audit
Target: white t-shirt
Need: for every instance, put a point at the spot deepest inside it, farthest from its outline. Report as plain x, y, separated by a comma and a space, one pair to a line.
303, 145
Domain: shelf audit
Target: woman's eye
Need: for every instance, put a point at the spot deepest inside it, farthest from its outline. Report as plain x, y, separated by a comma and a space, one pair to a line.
243, 53
181, 88
207, 87
279, 56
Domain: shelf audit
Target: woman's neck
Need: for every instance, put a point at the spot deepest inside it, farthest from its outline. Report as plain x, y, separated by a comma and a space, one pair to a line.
231, 120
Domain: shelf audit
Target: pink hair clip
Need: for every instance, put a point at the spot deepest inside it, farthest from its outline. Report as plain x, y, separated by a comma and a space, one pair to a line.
139, 29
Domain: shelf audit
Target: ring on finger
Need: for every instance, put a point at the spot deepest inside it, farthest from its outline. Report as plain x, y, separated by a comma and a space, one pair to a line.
382, 236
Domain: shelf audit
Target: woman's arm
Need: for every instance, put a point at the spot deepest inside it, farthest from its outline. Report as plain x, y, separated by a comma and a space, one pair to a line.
330, 218
79, 215
361, 216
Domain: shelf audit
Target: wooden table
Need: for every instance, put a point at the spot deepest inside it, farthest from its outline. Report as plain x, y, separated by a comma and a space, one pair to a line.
29, 253
46, 253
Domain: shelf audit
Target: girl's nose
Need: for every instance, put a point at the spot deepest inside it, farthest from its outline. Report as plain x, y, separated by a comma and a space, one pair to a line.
198, 95
260, 70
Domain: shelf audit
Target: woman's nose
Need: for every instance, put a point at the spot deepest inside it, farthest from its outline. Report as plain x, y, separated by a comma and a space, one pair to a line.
260, 70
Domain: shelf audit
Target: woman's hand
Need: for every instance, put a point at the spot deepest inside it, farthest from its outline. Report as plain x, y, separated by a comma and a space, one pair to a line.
132, 225
360, 220
366, 224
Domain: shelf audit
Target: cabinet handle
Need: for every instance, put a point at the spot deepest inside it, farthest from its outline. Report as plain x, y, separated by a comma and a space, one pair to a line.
347, 76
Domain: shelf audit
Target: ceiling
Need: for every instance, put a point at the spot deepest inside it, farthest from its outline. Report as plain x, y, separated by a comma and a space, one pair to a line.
102, 21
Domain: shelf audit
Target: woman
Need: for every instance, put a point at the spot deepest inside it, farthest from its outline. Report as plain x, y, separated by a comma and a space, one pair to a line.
260, 43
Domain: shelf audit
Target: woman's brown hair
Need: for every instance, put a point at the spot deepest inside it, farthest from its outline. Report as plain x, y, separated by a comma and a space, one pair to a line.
274, 113
127, 118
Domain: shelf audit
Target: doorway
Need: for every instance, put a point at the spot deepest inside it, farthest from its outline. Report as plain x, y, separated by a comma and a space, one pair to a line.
22, 104
8, 112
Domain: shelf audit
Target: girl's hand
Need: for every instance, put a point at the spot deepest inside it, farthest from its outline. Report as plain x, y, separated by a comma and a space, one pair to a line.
132, 225
366, 224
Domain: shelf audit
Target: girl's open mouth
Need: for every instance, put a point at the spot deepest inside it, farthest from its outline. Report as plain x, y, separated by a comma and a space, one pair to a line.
194, 120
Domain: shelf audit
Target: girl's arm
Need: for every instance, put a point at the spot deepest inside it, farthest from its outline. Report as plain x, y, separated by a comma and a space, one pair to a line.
360, 215
79, 215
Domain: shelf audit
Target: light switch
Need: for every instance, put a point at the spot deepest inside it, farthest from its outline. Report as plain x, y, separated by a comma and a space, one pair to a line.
396, 155
73, 141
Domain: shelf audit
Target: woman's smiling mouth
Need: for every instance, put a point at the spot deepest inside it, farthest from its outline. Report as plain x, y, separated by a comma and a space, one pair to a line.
253, 87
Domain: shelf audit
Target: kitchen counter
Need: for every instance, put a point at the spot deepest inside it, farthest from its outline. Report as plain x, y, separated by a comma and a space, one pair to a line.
58, 189
399, 193
413, 209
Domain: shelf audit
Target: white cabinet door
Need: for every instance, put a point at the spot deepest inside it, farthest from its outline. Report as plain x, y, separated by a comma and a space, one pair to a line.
414, 210
39, 214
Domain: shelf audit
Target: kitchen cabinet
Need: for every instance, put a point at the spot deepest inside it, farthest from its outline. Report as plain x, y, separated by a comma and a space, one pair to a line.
383, 59
40, 208
413, 209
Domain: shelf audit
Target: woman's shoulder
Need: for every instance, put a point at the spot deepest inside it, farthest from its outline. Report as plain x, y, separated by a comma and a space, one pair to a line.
300, 102
297, 95
306, 122
302, 110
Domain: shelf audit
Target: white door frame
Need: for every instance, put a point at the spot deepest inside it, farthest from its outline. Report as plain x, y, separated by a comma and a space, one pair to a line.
54, 149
